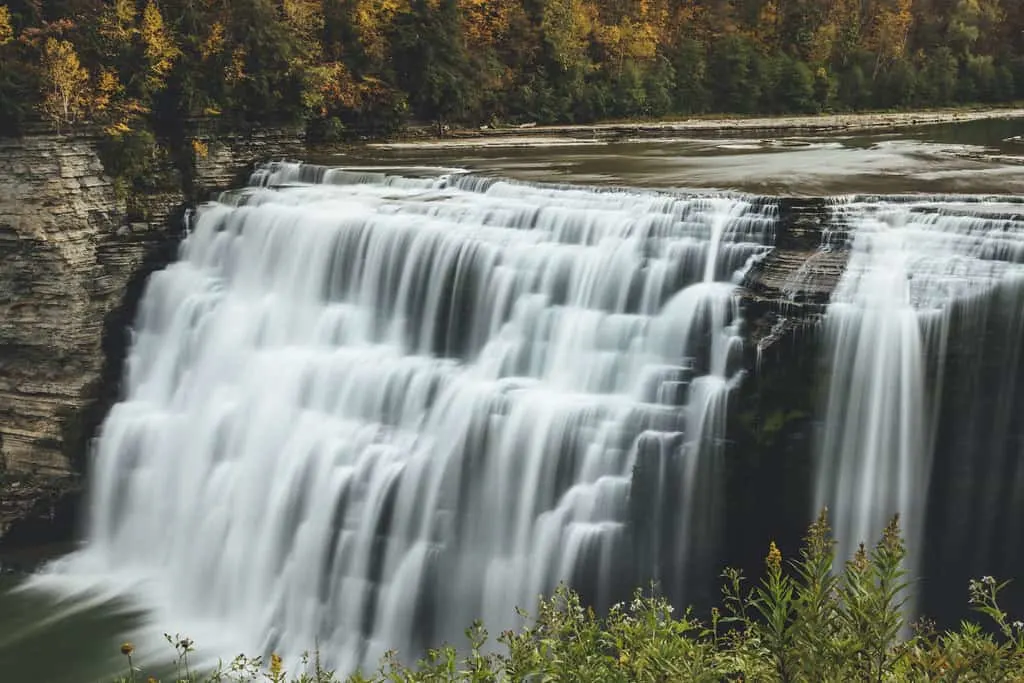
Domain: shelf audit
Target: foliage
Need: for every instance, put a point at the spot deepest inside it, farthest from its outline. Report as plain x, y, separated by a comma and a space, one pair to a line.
6, 28
802, 622
65, 80
364, 67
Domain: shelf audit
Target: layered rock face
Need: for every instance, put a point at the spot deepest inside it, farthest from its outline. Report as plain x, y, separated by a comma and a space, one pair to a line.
67, 257
790, 287
228, 159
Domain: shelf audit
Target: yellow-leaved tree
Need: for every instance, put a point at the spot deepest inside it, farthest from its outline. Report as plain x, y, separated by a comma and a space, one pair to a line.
159, 46
65, 81
889, 32
566, 25
305, 19
105, 90
329, 86
6, 28
372, 19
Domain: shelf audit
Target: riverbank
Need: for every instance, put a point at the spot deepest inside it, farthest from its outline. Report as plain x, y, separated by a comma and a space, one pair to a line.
855, 122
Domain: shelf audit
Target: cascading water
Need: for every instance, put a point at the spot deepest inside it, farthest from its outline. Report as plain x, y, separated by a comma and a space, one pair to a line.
915, 265
364, 410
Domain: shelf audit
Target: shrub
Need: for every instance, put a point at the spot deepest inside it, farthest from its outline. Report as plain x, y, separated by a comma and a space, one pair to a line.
803, 621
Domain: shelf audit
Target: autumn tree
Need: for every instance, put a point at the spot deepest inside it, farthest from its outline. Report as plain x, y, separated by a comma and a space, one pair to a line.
847, 18
362, 65
566, 25
158, 47
6, 29
65, 81
372, 22
889, 31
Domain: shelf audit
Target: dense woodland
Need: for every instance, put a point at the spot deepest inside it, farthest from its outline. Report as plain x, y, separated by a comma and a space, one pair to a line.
367, 67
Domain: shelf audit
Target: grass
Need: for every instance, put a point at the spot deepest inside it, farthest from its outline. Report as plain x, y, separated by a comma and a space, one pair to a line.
803, 621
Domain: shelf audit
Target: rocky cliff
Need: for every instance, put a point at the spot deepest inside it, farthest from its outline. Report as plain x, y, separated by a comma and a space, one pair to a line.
74, 256
68, 253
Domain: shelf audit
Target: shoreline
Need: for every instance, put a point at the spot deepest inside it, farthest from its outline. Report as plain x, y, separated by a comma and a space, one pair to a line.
813, 124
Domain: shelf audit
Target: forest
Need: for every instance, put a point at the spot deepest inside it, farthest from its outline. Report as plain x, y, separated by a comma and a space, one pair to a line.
368, 67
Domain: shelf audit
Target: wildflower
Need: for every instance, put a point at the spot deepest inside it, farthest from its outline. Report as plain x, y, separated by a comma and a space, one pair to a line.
275, 664
774, 558
860, 559
127, 649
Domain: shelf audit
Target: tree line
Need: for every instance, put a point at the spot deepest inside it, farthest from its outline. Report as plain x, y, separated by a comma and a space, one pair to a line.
367, 67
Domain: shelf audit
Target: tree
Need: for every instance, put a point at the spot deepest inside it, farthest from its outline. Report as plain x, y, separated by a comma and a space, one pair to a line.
846, 17
65, 81
431, 61
6, 29
889, 32
266, 70
566, 25
158, 47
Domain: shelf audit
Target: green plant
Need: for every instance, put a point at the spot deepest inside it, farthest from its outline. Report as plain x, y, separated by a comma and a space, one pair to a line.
803, 622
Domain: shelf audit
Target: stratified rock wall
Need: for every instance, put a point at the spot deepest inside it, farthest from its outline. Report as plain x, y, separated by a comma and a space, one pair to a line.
227, 160
787, 291
67, 253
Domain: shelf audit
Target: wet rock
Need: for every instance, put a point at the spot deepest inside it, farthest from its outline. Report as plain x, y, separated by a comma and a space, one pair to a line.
788, 289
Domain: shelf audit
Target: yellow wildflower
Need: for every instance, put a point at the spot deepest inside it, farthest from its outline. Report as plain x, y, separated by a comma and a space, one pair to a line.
774, 558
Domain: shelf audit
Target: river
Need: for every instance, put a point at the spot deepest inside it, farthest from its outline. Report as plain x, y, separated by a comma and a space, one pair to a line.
75, 637
975, 157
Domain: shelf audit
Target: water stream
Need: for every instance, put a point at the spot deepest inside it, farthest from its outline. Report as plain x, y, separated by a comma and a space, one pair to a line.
364, 410
366, 406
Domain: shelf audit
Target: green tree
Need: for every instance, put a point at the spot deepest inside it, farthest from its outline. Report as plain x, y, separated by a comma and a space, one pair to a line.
735, 75
939, 77
689, 62
264, 71
431, 62
796, 86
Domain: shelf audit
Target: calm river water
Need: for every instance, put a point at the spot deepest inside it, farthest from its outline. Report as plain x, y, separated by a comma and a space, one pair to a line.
975, 157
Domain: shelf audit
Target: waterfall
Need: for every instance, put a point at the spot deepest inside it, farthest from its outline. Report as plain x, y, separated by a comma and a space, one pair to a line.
364, 409
916, 266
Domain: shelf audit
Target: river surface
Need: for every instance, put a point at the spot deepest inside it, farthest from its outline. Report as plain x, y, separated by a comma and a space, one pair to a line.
976, 157
71, 640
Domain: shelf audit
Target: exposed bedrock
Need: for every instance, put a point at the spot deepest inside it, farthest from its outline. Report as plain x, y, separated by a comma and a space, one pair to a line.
74, 257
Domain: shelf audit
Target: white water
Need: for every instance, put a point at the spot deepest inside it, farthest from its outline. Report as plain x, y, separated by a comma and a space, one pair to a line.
912, 262
363, 412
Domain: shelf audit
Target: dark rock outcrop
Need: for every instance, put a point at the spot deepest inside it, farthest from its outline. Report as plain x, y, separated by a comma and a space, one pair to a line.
789, 288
